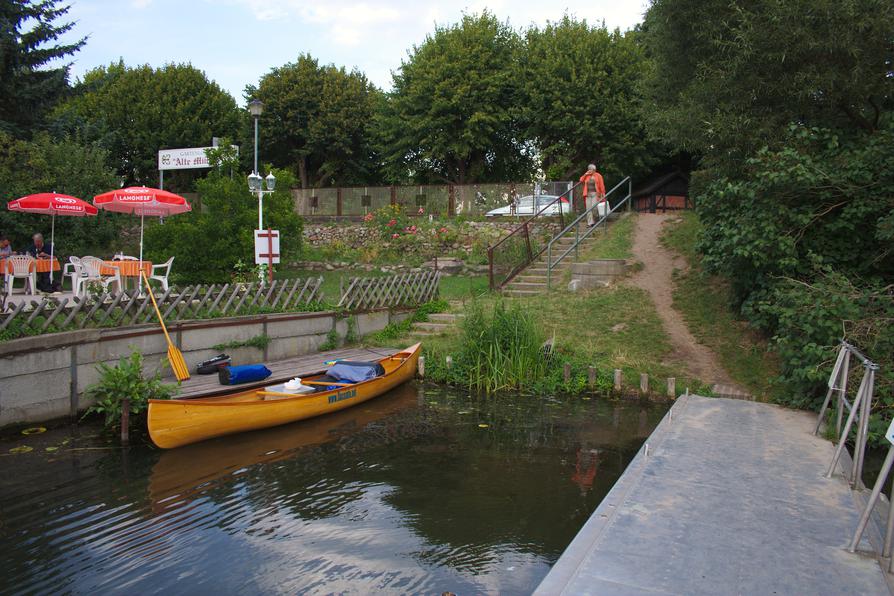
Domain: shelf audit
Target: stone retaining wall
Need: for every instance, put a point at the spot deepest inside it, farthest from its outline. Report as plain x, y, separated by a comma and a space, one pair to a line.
42, 377
465, 235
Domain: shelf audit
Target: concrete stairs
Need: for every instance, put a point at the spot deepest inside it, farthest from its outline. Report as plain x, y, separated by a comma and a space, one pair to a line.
437, 324
532, 280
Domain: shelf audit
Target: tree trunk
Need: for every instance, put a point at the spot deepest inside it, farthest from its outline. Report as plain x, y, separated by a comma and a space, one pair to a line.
302, 171
460, 171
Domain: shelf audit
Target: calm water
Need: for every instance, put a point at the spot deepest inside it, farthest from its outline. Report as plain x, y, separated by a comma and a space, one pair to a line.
424, 490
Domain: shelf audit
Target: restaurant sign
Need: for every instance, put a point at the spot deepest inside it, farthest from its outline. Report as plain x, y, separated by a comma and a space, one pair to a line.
184, 159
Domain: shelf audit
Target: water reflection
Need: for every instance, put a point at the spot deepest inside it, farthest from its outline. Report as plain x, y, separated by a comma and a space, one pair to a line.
422, 490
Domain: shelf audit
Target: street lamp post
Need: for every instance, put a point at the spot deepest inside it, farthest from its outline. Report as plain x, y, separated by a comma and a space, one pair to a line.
255, 182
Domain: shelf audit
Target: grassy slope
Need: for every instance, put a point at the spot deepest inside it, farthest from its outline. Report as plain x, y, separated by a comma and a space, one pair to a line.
614, 327
613, 243
705, 304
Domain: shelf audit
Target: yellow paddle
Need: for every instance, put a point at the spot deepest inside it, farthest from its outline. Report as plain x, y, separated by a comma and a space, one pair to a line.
174, 355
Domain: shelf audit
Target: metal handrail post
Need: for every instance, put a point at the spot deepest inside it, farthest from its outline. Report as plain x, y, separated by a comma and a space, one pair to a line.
630, 194
490, 266
863, 429
864, 518
858, 400
576, 242
549, 264
842, 394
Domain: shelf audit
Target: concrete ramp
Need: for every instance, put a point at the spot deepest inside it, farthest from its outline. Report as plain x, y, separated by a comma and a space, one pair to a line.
727, 497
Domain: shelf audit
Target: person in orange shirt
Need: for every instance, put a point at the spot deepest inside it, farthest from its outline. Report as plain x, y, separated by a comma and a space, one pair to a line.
594, 191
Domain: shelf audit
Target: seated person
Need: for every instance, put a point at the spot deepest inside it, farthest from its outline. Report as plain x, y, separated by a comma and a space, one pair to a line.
5, 247
39, 250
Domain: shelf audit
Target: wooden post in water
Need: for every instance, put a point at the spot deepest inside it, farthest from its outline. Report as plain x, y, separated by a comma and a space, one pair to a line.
125, 421
567, 372
420, 368
643, 383
449, 361
591, 377
617, 379
672, 387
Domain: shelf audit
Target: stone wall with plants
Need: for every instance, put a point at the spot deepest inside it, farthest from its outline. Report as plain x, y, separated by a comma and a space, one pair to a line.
391, 235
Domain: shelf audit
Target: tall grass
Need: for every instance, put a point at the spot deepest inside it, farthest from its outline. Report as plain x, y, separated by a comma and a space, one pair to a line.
500, 349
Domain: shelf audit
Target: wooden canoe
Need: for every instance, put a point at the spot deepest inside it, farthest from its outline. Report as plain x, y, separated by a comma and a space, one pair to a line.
183, 474
176, 422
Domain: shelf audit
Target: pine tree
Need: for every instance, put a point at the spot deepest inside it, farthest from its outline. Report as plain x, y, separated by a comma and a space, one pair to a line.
28, 44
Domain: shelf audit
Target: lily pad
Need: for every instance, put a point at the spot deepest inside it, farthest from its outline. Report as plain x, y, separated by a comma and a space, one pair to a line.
34, 430
21, 449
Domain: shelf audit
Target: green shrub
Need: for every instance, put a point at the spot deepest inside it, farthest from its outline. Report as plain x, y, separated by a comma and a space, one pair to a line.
501, 349
126, 380
224, 227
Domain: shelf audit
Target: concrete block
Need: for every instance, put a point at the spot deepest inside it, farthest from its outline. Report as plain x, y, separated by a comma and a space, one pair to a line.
24, 398
115, 349
34, 362
35, 412
280, 349
200, 339
310, 343
292, 328
598, 273
399, 317
371, 322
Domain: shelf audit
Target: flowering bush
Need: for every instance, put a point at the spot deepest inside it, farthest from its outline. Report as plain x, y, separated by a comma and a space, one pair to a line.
388, 220
416, 237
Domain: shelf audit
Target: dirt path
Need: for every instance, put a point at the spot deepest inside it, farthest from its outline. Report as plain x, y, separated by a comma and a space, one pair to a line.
656, 278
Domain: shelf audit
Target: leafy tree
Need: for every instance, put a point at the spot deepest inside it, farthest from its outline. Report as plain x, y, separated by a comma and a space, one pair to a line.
728, 76
134, 112
450, 116
210, 241
316, 121
62, 166
791, 105
28, 87
581, 99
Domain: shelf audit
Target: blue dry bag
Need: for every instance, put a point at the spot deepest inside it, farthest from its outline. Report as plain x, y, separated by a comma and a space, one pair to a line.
247, 373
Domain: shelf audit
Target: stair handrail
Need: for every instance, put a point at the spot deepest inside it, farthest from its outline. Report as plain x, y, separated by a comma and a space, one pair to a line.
550, 265
524, 227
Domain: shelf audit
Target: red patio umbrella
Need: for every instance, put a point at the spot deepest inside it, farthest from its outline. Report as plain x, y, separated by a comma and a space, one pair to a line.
52, 203
142, 201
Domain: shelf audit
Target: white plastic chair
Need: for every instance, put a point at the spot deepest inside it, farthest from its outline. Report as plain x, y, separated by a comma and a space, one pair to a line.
92, 266
78, 273
163, 278
23, 267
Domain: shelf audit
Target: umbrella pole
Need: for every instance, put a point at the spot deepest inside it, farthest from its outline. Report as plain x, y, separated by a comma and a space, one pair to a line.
140, 278
52, 247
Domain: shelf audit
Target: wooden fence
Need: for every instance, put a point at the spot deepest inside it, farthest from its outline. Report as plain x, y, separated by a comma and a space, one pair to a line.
128, 308
408, 289
51, 314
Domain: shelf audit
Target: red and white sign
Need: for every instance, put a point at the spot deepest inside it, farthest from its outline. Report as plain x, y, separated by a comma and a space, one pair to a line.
266, 247
185, 159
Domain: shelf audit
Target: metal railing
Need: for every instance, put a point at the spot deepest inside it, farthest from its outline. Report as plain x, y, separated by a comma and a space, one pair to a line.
521, 246
861, 405
574, 225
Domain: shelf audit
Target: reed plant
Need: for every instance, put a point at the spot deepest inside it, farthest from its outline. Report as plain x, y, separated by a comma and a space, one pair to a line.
500, 349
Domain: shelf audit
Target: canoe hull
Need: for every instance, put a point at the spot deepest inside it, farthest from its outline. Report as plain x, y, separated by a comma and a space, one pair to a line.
173, 423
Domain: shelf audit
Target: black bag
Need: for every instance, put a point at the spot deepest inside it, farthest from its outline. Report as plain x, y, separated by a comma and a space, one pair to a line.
212, 365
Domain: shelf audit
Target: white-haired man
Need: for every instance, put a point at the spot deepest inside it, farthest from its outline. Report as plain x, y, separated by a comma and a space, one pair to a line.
593, 190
